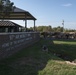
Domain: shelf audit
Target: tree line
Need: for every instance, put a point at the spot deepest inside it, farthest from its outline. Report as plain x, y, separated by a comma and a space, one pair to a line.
49, 28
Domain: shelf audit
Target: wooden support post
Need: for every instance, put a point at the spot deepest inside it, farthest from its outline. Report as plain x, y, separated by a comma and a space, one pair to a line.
26, 22
34, 25
25, 25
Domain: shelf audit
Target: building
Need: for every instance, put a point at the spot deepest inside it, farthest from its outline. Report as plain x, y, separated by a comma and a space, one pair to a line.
8, 26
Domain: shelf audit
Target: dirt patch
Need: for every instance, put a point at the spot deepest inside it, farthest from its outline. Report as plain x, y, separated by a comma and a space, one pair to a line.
71, 63
67, 62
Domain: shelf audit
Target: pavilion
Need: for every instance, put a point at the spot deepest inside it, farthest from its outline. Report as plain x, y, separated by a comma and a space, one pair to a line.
20, 14
9, 26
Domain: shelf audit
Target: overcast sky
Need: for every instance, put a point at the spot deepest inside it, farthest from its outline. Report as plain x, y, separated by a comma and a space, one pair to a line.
49, 12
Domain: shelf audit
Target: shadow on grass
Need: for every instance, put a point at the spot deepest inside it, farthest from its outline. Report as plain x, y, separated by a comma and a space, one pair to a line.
28, 61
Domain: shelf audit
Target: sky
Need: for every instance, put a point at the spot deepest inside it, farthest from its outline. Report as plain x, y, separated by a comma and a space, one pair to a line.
49, 12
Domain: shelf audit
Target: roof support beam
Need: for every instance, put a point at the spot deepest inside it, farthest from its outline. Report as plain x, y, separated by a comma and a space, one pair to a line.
34, 25
25, 22
25, 25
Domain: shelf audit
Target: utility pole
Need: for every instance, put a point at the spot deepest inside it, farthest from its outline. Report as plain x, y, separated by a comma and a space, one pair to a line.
63, 24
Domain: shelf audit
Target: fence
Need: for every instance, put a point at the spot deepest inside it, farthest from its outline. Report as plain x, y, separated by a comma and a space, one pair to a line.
13, 42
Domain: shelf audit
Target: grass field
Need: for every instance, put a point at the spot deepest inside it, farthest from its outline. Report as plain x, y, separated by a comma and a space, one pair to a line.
66, 48
33, 61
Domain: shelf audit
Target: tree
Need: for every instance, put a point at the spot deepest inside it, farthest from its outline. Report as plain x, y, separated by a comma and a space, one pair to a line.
6, 7
44, 28
58, 29
40, 28
1, 5
49, 28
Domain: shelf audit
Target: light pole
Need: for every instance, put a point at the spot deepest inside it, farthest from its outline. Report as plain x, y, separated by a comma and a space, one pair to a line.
63, 24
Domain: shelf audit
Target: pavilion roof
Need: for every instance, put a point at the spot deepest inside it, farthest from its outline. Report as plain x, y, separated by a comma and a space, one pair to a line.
19, 14
8, 23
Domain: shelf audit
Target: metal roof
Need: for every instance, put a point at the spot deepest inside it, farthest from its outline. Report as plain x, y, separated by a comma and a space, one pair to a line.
8, 23
19, 14
19, 10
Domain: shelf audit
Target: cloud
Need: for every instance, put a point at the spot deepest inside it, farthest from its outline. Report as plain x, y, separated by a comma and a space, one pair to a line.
67, 5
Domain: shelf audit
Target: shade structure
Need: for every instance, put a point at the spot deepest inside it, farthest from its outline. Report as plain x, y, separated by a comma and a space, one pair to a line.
8, 26
18, 14
8, 23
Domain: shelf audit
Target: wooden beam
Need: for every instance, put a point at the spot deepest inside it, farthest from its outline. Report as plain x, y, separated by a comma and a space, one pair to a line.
34, 25
25, 22
25, 25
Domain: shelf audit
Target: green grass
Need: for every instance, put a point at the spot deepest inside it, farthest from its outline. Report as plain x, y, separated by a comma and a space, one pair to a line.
66, 48
33, 61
